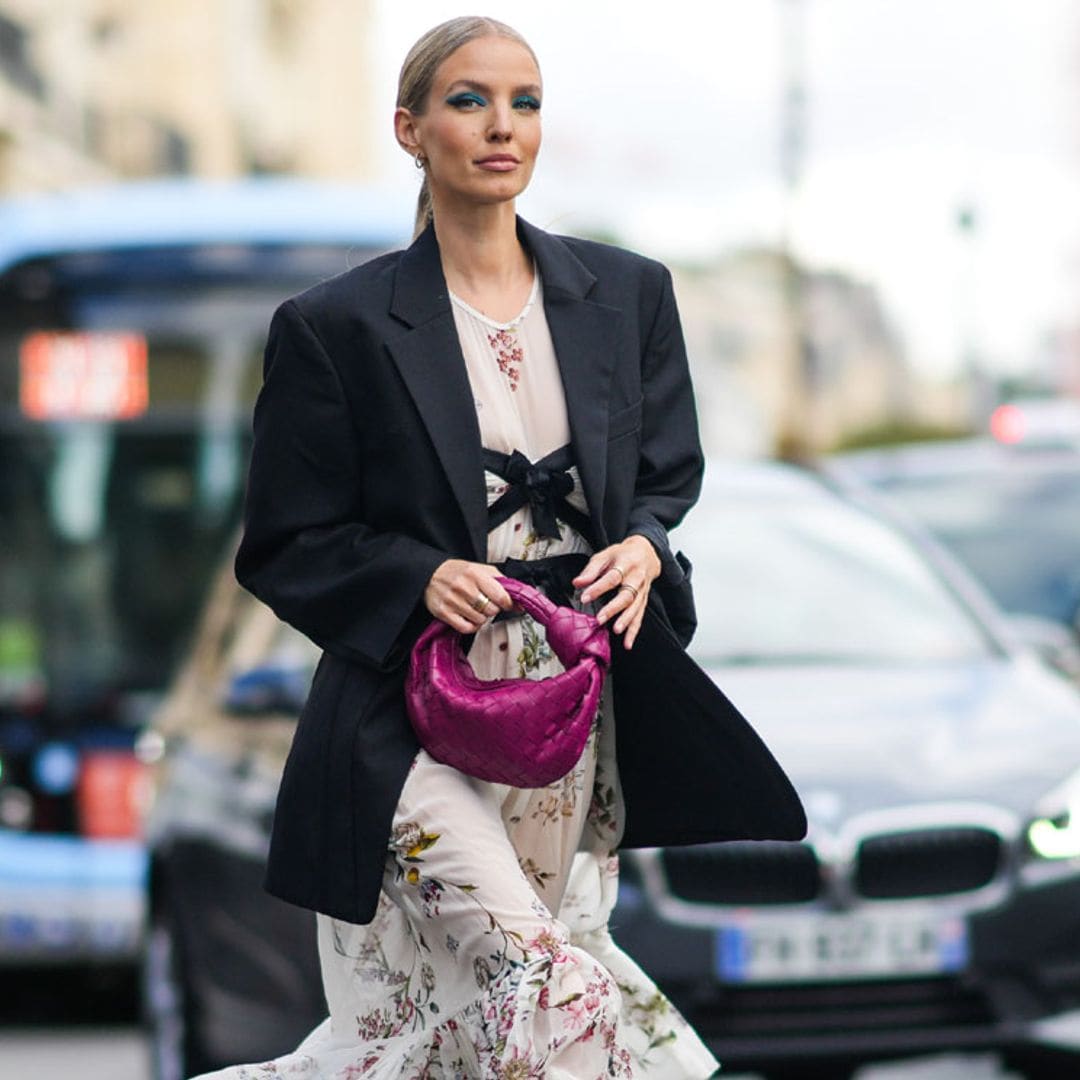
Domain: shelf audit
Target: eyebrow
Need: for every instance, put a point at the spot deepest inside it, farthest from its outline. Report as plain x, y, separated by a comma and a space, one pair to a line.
483, 88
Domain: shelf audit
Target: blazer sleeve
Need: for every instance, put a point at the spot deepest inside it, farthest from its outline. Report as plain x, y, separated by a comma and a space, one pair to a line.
671, 464
306, 551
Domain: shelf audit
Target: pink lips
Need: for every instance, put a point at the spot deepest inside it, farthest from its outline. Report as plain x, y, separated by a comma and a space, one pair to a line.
499, 163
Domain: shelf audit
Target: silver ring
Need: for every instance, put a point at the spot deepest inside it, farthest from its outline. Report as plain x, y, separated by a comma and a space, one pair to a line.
482, 600
629, 588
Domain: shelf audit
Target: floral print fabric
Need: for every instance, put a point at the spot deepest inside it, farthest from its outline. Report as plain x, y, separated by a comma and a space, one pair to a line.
489, 955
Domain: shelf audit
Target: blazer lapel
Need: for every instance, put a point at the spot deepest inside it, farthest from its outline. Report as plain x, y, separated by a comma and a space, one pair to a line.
429, 359
586, 336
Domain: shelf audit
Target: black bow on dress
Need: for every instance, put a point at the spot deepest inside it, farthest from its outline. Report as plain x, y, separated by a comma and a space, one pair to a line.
543, 485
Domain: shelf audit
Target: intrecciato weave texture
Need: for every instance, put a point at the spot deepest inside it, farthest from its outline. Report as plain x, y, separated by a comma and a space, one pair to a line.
522, 732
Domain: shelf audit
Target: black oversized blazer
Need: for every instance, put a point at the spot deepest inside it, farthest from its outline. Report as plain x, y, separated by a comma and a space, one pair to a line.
366, 474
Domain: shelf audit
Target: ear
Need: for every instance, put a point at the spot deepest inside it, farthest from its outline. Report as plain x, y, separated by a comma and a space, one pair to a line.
405, 131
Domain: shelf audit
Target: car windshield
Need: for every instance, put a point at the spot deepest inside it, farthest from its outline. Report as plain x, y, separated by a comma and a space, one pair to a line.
116, 511
812, 580
1017, 532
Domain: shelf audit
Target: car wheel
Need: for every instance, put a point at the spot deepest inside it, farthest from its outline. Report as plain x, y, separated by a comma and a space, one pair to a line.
167, 1005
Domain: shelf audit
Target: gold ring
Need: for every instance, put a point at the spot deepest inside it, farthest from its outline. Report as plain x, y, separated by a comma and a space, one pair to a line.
481, 602
620, 571
629, 588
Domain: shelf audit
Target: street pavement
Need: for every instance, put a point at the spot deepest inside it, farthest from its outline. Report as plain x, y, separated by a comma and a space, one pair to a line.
72, 1054
53, 1027
117, 1053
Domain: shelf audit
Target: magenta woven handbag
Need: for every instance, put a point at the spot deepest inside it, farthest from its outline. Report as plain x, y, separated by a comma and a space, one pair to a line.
522, 732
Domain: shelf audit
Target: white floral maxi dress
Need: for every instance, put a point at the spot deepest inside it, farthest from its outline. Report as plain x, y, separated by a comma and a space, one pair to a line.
489, 955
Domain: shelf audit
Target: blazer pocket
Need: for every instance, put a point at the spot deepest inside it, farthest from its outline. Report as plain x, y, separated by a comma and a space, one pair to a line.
624, 421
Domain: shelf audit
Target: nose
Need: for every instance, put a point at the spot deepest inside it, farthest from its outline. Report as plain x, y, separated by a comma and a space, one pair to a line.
501, 127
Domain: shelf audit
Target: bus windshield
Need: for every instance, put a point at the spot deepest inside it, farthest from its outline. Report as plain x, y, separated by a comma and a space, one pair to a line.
115, 513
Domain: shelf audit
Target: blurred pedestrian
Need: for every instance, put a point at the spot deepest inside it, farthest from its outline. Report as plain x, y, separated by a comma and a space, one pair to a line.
463, 924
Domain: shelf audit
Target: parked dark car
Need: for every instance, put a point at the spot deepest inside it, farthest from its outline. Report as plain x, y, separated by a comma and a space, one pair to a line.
935, 903
1008, 510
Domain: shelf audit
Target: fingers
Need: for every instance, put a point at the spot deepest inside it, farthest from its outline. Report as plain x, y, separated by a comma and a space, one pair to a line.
632, 562
609, 573
593, 568
627, 608
628, 598
627, 570
613, 577
633, 618
495, 592
465, 595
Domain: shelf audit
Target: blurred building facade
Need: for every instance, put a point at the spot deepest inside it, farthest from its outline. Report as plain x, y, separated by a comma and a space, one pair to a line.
99, 89
775, 372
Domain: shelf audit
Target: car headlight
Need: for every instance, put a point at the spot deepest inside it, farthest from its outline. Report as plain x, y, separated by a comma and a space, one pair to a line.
1055, 833
1056, 838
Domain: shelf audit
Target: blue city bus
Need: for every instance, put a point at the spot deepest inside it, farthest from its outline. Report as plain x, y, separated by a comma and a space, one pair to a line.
132, 321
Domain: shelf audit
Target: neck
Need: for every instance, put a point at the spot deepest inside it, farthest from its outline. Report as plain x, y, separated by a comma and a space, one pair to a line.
479, 247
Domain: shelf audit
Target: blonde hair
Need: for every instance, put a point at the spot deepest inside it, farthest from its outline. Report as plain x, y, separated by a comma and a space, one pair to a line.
418, 75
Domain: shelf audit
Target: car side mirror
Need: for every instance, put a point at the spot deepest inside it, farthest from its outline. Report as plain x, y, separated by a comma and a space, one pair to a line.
268, 690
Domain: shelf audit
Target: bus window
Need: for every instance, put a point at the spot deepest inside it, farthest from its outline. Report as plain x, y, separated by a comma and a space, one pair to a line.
114, 524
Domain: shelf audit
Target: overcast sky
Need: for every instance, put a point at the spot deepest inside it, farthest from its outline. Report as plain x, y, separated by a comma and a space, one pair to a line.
661, 123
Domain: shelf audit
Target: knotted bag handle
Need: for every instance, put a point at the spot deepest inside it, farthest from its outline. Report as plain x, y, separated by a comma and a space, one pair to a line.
530, 599
563, 625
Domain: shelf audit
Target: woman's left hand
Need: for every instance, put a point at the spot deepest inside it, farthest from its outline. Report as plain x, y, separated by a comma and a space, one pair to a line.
630, 568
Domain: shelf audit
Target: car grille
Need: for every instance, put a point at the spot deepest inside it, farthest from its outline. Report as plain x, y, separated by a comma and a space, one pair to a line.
898, 865
927, 862
743, 872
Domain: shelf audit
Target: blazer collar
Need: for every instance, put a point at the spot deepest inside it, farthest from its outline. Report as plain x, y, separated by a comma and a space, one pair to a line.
420, 292
428, 355
561, 271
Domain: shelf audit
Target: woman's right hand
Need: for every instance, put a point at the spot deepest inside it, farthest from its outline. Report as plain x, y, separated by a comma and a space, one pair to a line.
455, 592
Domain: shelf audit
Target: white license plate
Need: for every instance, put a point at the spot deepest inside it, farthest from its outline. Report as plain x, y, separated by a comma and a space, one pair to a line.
816, 947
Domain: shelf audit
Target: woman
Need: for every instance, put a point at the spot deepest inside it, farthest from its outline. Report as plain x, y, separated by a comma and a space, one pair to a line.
492, 395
